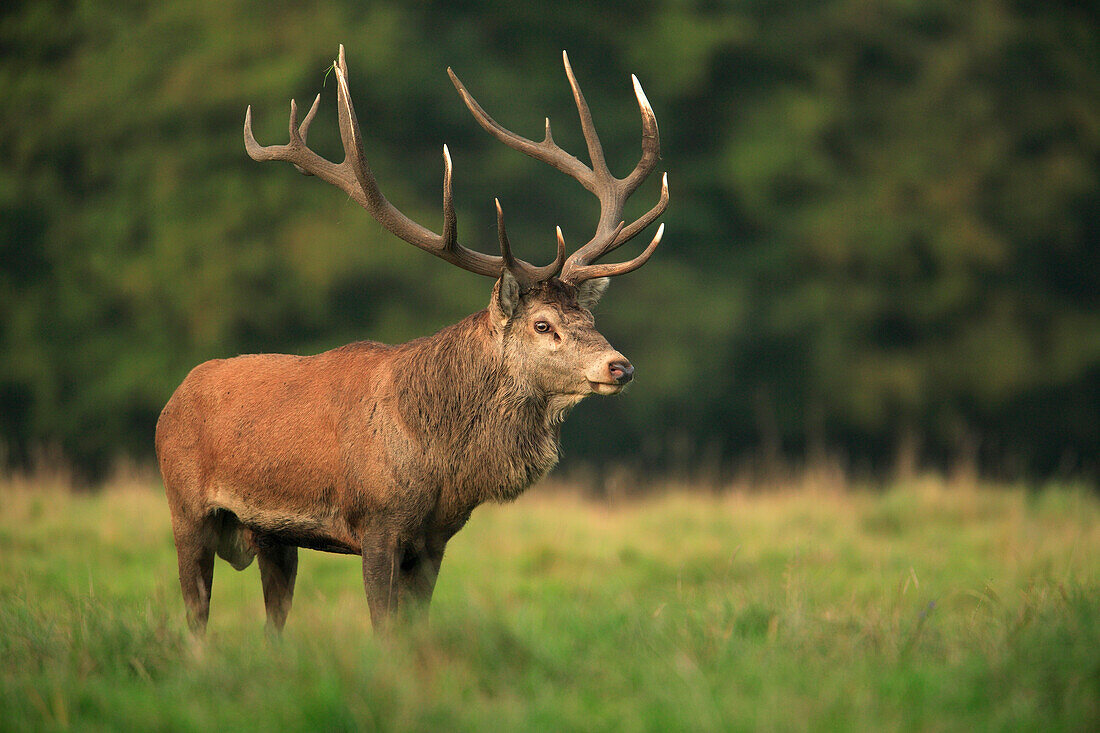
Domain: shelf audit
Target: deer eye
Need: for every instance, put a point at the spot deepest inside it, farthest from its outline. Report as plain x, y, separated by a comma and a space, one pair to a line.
542, 327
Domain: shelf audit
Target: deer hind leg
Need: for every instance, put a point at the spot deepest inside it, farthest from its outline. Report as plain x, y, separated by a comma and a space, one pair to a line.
196, 540
278, 570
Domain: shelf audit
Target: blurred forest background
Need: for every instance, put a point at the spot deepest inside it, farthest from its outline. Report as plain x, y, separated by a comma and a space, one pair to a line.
883, 243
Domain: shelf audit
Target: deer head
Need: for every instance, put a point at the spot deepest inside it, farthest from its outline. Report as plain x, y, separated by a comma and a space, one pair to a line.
542, 314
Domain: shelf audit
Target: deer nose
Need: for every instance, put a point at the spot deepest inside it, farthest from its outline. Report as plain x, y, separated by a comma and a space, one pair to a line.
621, 370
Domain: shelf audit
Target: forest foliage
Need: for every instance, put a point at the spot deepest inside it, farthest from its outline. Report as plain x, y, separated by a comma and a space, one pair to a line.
883, 234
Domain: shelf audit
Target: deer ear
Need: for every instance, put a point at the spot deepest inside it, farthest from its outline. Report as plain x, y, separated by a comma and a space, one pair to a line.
589, 292
505, 297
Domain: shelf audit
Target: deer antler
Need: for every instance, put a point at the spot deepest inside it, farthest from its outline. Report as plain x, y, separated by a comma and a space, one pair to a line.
612, 192
354, 177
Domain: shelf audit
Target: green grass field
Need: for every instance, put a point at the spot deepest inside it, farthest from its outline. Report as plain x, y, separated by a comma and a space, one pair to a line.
926, 607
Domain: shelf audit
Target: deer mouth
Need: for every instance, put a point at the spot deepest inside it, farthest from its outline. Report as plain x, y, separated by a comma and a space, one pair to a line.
605, 388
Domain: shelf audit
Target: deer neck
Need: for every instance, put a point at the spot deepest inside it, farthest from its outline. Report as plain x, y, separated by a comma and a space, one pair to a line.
488, 434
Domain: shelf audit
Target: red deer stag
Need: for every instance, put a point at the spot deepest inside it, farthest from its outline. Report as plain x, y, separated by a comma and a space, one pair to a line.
383, 451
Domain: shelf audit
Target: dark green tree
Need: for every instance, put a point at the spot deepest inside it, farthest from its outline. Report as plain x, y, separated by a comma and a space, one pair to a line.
884, 223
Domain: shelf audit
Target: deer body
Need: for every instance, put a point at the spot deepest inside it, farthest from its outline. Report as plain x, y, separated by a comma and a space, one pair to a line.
384, 451
312, 448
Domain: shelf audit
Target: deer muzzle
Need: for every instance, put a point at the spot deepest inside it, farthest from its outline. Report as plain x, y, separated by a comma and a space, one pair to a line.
612, 376
621, 371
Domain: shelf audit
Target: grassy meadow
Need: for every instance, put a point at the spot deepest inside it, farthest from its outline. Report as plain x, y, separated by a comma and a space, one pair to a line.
928, 606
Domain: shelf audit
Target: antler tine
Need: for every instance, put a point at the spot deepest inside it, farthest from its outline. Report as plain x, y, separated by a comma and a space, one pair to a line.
526, 275
651, 140
353, 176
303, 131
619, 268
560, 259
450, 221
595, 149
644, 220
505, 245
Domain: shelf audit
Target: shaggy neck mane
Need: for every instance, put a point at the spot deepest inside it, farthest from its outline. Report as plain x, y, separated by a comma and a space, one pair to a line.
487, 435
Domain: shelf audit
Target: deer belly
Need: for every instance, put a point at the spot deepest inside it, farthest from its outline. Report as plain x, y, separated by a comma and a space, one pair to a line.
310, 519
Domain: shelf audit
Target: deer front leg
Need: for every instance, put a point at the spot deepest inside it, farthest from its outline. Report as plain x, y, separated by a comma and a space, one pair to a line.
381, 568
419, 569
420, 564
399, 578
